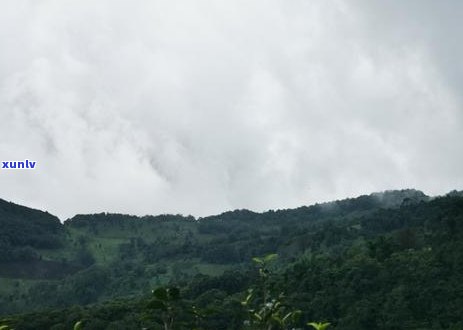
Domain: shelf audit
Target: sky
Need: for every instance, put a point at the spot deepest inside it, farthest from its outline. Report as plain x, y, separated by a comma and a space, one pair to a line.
199, 107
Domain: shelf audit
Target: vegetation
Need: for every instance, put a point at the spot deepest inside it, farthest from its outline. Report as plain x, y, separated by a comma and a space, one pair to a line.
383, 261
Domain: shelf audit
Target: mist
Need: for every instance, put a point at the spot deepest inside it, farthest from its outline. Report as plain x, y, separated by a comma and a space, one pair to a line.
200, 107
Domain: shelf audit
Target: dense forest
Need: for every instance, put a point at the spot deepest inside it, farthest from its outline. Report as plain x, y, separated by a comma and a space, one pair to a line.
391, 260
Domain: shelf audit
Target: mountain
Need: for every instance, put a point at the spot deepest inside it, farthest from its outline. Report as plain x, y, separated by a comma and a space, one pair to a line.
389, 260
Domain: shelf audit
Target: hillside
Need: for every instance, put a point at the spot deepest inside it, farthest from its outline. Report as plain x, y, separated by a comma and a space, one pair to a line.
388, 260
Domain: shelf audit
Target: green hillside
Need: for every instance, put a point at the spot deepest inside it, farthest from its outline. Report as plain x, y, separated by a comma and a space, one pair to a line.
389, 260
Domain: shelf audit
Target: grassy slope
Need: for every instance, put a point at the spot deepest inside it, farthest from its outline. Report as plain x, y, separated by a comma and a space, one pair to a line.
103, 243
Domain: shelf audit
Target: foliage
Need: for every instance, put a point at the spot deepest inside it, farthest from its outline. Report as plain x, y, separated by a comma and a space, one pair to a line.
78, 325
165, 301
391, 261
319, 326
267, 311
5, 327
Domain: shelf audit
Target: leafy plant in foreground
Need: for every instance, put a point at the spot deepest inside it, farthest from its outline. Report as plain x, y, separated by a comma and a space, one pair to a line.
266, 311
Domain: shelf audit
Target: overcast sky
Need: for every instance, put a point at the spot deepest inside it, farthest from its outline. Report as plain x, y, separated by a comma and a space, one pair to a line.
198, 107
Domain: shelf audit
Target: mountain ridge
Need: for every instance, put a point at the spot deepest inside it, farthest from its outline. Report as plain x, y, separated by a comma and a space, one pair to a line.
381, 195
96, 258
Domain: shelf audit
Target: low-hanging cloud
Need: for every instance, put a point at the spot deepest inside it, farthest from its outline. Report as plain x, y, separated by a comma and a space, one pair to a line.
198, 107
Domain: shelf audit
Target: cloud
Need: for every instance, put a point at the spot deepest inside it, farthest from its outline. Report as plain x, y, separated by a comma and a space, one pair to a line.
200, 107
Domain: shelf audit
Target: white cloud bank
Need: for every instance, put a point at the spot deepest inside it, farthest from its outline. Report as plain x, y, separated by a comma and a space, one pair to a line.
198, 107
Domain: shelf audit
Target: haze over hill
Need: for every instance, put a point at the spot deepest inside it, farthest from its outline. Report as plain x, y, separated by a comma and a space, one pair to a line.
198, 107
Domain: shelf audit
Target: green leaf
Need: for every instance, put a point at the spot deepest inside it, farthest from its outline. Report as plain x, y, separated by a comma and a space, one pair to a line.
319, 326
248, 297
270, 257
287, 316
277, 319
77, 326
258, 260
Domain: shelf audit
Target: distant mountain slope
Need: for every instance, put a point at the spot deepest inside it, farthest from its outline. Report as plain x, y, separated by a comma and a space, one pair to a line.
27, 234
154, 250
23, 229
383, 261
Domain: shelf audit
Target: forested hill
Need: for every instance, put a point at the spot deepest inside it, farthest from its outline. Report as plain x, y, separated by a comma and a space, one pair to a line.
23, 229
389, 260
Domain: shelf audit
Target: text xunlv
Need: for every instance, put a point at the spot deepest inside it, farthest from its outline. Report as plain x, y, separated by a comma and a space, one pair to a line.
27, 164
